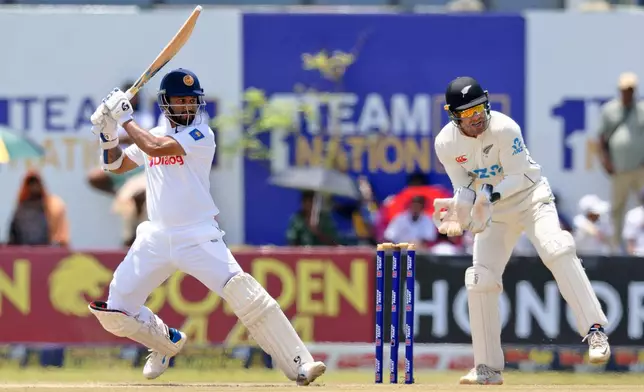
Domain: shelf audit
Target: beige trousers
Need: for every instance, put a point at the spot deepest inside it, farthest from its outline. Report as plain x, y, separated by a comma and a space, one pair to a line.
622, 185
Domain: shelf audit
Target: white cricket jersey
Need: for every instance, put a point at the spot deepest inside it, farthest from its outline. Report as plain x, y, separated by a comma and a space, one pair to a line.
178, 187
497, 157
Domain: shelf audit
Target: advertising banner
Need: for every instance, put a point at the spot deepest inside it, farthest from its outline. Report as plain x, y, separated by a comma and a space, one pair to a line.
370, 90
60, 68
326, 294
532, 309
572, 69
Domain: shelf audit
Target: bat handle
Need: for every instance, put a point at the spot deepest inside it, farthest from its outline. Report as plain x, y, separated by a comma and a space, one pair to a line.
131, 92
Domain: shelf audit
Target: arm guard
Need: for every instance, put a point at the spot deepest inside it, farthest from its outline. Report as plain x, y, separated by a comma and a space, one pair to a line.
113, 165
106, 146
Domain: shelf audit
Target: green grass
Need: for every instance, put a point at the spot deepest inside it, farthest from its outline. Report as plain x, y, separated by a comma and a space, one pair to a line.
55, 375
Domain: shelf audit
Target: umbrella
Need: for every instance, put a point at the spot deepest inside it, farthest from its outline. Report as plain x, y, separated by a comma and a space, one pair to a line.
317, 179
14, 146
400, 202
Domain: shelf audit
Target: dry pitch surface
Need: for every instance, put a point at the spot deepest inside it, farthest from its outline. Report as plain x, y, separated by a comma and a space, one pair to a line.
119, 380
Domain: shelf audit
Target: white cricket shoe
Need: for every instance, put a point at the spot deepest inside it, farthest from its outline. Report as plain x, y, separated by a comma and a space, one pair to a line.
308, 372
157, 363
482, 375
598, 347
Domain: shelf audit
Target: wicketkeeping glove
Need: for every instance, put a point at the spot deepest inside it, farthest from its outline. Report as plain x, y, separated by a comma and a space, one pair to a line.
445, 217
482, 210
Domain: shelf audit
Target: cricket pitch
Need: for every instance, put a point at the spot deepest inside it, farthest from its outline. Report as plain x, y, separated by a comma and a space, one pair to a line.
178, 380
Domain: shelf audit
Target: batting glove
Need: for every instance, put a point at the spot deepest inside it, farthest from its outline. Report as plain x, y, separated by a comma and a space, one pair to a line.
108, 133
118, 106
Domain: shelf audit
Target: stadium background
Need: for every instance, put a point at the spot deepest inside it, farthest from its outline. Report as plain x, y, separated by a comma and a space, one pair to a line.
550, 69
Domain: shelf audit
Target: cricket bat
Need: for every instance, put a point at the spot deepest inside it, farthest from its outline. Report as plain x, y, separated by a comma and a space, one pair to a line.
171, 49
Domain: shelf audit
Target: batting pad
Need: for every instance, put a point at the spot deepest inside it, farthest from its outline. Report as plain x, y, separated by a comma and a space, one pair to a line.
573, 282
151, 333
483, 291
266, 322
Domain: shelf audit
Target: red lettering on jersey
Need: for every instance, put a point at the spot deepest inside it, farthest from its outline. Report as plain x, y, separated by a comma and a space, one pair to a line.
176, 160
461, 159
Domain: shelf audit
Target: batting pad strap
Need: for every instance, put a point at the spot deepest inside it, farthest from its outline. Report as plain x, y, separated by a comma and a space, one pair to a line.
262, 315
153, 334
113, 165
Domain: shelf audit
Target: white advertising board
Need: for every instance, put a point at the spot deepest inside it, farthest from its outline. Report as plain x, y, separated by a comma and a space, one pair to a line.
59, 66
573, 63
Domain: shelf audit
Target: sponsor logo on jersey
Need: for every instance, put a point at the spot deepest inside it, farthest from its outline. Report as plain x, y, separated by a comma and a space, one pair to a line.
461, 159
166, 161
517, 146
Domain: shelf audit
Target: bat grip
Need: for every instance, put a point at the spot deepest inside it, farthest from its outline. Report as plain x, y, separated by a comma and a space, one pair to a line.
131, 92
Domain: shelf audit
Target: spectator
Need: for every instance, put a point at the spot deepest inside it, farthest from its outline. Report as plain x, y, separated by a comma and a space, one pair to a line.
364, 216
592, 229
40, 217
131, 207
634, 229
445, 246
301, 232
354, 218
417, 178
417, 185
621, 142
413, 225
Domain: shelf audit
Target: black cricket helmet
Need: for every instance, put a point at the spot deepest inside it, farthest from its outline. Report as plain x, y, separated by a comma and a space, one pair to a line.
465, 98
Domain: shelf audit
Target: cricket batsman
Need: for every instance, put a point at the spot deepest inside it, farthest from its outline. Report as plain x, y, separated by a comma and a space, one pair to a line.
182, 233
499, 193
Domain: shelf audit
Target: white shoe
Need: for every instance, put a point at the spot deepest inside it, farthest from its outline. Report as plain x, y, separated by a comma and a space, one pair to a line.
482, 375
308, 372
598, 347
157, 363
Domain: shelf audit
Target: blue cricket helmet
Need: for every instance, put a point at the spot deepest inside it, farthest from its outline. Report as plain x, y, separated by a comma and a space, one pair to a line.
180, 83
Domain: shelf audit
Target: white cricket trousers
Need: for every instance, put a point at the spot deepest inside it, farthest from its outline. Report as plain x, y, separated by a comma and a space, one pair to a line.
534, 212
157, 253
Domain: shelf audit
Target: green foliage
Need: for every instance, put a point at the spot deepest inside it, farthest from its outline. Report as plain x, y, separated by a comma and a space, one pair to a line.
259, 115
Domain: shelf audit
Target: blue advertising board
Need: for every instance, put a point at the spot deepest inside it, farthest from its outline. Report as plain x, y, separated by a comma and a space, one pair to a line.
385, 94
